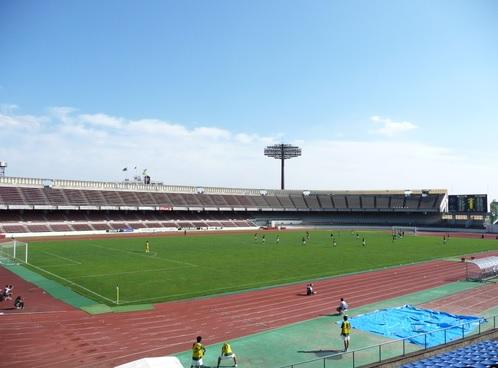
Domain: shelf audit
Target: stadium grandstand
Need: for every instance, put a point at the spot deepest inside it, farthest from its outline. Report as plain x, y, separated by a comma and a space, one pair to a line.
30, 205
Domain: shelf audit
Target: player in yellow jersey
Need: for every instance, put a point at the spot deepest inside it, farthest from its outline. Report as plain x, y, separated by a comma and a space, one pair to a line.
147, 247
198, 351
345, 332
227, 353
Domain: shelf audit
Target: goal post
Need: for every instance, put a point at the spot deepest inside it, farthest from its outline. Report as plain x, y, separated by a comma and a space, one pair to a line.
412, 230
14, 251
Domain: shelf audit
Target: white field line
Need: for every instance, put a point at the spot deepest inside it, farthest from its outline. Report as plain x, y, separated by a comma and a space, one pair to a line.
73, 283
144, 255
132, 272
61, 265
61, 257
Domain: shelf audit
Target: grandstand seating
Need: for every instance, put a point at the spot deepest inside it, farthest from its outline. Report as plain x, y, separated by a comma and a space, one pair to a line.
339, 201
48, 196
367, 202
312, 202
32, 206
480, 355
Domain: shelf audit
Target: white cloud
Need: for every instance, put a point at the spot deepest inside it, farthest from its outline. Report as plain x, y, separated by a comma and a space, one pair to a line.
213, 133
156, 128
20, 121
388, 127
98, 146
102, 120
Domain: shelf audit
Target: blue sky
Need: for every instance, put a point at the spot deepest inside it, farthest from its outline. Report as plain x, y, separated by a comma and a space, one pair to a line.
404, 93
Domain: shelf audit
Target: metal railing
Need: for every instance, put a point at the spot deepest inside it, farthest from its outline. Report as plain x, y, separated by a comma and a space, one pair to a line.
398, 348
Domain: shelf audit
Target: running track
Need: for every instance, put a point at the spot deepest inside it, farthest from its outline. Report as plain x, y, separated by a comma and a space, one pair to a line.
64, 337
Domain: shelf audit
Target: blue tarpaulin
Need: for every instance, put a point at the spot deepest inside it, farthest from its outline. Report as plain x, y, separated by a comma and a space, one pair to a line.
408, 322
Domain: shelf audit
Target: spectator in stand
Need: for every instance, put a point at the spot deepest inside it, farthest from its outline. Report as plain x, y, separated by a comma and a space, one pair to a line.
343, 307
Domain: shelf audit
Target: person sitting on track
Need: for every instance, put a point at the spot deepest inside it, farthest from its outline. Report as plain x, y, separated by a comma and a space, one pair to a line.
7, 292
309, 289
343, 307
19, 303
227, 353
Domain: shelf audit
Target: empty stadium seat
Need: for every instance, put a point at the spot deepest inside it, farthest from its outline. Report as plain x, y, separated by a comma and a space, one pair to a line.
479, 355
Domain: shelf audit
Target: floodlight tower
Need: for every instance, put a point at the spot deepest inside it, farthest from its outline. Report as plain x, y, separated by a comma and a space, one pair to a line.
3, 165
282, 152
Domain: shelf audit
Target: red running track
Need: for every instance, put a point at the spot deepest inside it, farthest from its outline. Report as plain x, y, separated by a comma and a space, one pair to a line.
64, 337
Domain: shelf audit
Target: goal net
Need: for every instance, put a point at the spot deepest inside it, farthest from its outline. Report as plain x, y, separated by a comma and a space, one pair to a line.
404, 230
13, 252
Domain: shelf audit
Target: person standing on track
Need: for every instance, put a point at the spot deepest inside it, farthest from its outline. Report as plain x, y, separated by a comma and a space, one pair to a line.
198, 351
346, 332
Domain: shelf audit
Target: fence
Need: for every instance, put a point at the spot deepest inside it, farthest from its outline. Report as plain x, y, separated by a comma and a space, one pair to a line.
396, 348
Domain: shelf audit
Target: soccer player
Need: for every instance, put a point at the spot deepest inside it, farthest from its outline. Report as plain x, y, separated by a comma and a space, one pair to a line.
278, 239
263, 239
304, 240
364, 242
334, 243
307, 235
147, 247
227, 353
198, 351
256, 237
345, 332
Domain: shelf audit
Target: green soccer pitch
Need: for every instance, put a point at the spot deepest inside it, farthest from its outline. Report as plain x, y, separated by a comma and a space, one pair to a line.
180, 267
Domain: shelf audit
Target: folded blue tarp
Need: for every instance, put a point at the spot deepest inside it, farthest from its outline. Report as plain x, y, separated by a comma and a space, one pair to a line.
408, 322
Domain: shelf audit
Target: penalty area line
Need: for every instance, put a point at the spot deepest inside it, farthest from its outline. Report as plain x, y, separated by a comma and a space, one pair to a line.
132, 272
72, 283
61, 257
144, 255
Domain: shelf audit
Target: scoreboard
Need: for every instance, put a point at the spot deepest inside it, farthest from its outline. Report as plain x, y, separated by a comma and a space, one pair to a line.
468, 203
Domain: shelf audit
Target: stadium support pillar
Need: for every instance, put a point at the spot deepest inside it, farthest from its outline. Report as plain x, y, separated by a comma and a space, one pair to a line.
282, 184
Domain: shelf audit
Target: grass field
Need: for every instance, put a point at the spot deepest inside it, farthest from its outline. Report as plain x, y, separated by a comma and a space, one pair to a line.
191, 266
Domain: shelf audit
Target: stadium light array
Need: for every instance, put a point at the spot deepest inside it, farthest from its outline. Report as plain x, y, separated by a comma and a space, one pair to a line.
282, 152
